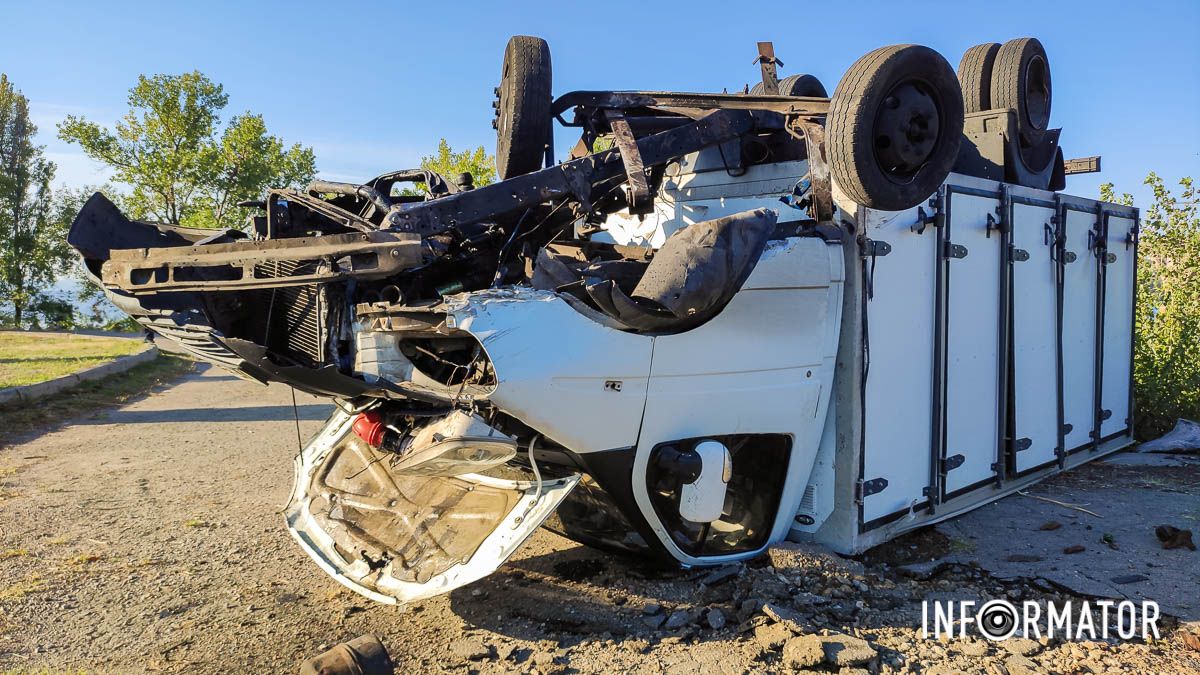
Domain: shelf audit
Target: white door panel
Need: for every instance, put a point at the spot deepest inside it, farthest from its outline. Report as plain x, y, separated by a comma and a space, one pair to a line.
973, 343
1079, 330
1034, 333
1118, 331
899, 388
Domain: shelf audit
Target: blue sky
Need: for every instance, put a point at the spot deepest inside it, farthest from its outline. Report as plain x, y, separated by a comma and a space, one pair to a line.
372, 86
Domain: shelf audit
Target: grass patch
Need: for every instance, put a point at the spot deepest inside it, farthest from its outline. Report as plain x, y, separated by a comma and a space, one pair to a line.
30, 584
20, 419
196, 522
13, 553
30, 358
962, 546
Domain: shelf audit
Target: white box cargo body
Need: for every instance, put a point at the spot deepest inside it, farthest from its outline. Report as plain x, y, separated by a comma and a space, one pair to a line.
986, 342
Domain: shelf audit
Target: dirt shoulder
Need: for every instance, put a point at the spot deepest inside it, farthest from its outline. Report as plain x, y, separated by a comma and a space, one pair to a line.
148, 538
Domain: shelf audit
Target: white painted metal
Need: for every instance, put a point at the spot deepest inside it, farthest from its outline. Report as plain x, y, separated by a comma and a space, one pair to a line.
1118, 328
573, 379
1034, 331
899, 387
763, 365
1079, 330
973, 343
702, 500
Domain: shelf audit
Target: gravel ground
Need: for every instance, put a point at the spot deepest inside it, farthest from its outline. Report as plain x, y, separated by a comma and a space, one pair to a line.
148, 538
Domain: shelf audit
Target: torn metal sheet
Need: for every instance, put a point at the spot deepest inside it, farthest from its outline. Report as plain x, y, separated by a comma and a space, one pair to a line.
400, 538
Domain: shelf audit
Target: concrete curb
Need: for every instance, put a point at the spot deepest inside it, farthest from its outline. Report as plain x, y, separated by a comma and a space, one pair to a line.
32, 392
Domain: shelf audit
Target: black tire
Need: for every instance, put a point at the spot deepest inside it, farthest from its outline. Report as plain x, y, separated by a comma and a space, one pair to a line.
894, 126
523, 120
975, 76
1021, 81
802, 84
799, 84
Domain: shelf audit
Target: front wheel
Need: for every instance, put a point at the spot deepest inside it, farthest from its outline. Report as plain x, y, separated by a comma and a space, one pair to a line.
894, 126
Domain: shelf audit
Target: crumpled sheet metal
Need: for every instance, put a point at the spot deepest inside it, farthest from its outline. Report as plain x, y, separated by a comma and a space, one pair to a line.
695, 274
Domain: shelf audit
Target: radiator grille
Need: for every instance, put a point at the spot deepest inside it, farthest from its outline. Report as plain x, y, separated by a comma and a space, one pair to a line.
294, 324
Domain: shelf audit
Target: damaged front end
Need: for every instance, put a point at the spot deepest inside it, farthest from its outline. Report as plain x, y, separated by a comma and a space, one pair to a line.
395, 532
493, 348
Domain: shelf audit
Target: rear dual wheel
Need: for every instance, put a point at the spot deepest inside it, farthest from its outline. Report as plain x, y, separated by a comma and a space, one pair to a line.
894, 126
1014, 75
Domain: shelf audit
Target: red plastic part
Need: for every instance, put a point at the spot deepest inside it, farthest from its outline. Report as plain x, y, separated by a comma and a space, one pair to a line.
369, 427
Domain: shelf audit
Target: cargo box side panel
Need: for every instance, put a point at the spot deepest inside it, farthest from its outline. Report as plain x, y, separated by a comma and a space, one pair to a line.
899, 383
973, 340
1118, 327
1034, 334
1079, 330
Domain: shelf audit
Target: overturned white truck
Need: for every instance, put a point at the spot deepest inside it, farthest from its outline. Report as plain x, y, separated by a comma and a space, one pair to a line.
754, 316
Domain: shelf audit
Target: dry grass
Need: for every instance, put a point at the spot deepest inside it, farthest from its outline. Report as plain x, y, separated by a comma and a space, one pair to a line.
30, 584
29, 358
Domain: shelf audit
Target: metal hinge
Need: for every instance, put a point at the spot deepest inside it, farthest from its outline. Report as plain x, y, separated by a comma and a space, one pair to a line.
875, 249
1110, 258
1069, 256
924, 219
1019, 255
864, 489
953, 250
1022, 444
1133, 236
952, 462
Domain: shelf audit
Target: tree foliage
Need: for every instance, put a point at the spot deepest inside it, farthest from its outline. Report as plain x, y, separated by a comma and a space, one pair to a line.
178, 162
449, 164
33, 247
1167, 330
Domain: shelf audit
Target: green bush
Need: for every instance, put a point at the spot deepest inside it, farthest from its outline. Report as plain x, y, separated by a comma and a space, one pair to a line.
1166, 360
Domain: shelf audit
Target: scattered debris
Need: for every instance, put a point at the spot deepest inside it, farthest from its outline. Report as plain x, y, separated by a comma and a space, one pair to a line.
1109, 541
1074, 548
364, 655
678, 619
715, 618
1184, 438
1050, 526
1173, 537
1074, 507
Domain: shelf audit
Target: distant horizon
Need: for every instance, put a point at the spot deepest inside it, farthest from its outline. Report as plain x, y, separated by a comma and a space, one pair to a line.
373, 101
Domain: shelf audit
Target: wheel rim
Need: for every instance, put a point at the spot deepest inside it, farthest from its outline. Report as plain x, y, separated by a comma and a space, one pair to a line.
907, 130
1037, 92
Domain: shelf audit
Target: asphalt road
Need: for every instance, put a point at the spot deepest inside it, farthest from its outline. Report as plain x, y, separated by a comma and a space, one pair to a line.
149, 538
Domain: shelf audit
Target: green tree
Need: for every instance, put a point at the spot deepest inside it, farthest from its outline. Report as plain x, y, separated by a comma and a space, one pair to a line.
178, 162
1167, 330
449, 164
33, 247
